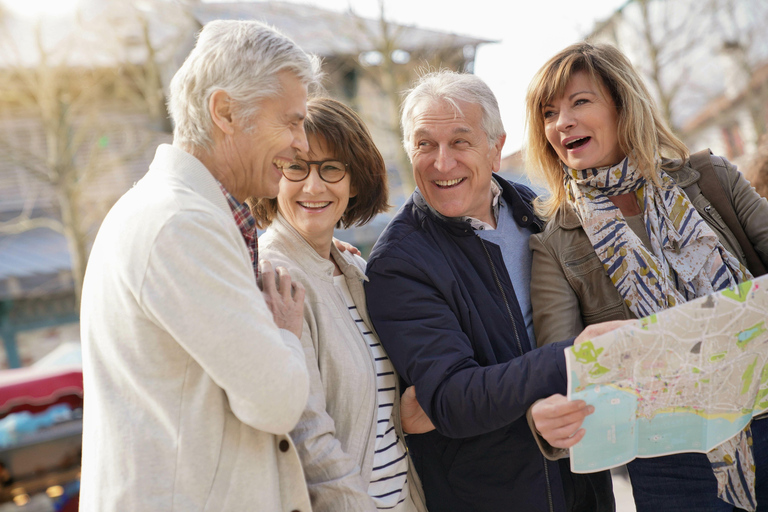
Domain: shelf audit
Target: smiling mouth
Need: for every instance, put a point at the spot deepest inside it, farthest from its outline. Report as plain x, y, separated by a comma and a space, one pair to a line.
448, 183
577, 143
280, 163
314, 205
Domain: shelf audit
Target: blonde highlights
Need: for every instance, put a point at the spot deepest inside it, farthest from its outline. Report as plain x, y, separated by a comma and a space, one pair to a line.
642, 132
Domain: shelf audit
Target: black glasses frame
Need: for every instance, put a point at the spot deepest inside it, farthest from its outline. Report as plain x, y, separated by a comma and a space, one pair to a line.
319, 164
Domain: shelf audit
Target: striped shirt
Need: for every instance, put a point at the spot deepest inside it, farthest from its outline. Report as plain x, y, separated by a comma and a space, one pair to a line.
389, 477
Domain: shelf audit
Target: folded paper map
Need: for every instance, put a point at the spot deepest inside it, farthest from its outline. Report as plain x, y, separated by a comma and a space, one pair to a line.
683, 380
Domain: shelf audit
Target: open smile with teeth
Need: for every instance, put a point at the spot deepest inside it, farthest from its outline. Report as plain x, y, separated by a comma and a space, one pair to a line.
577, 142
280, 163
314, 205
448, 183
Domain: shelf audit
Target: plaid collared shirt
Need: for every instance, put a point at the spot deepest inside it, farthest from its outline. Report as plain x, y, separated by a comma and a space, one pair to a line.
247, 225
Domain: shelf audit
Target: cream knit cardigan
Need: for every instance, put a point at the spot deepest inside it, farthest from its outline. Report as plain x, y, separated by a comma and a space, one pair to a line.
190, 388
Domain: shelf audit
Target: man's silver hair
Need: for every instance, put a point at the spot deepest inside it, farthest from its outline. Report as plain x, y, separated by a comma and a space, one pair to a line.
242, 58
452, 87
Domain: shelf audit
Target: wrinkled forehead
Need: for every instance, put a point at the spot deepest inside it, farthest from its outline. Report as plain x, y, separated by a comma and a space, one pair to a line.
442, 113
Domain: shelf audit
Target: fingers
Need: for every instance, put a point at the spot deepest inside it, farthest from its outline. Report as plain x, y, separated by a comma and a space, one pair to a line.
298, 292
410, 392
267, 278
558, 406
559, 420
570, 441
284, 283
344, 246
595, 330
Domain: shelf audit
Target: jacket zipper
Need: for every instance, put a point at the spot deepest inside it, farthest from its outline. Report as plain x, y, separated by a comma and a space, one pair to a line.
503, 295
520, 347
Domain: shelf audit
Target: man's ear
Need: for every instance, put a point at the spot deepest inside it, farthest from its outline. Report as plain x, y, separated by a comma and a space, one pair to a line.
496, 153
220, 108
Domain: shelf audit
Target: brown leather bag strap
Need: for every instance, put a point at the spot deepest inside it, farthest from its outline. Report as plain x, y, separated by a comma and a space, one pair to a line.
713, 190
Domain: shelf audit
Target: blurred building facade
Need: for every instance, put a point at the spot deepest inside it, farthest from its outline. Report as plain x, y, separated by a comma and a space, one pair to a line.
82, 111
706, 62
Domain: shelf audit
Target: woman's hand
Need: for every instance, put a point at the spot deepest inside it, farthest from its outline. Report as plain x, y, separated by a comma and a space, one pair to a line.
595, 330
558, 420
412, 417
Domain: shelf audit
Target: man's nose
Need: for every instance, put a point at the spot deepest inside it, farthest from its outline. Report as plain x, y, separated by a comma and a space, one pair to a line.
445, 160
300, 142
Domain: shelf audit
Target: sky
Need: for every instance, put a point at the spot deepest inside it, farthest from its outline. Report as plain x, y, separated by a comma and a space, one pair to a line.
528, 33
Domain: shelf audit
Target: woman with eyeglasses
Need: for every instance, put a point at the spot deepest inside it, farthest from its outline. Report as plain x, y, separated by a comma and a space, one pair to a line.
350, 437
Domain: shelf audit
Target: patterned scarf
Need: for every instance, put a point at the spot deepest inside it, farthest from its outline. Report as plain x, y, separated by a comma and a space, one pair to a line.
686, 261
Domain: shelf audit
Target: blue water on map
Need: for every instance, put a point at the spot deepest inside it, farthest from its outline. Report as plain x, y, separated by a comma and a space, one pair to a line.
614, 437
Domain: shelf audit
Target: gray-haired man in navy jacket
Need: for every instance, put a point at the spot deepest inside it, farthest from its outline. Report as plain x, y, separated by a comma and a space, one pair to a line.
449, 297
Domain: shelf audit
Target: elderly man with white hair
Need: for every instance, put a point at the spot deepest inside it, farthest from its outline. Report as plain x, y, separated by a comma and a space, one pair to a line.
193, 376
448, 293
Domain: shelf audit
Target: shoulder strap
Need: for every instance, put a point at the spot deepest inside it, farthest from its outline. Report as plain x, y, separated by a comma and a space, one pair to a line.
713, 190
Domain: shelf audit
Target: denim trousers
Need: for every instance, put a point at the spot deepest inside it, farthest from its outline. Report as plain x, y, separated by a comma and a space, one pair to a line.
685, 482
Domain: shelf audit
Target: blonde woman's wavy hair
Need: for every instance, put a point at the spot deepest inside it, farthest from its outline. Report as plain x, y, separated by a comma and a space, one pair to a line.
642, 132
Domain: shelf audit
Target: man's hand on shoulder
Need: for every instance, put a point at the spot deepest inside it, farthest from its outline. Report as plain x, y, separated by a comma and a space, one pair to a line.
284, 297
345, 246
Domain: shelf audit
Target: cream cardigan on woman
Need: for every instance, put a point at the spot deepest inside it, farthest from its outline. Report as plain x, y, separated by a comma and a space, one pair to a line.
336, 434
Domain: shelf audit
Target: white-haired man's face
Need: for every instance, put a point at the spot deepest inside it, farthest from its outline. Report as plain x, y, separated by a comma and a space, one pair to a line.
256, 152
452, 159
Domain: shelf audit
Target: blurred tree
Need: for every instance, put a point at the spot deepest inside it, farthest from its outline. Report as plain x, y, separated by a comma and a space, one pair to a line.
65, 81
678, 45
741, 25
387, 61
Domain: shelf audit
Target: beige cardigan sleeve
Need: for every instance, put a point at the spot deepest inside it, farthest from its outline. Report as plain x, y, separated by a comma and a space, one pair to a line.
198, 288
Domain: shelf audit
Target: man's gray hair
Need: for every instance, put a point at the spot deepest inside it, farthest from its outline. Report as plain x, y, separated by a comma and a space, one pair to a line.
452, 87
242, 58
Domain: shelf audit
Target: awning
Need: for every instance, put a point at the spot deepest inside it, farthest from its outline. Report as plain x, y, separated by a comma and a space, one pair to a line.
36, 388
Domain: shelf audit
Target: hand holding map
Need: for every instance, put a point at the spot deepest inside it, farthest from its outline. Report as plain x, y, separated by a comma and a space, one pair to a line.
684, 380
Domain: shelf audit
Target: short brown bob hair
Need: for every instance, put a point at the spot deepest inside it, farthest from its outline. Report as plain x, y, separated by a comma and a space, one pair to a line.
642, 132
347, 137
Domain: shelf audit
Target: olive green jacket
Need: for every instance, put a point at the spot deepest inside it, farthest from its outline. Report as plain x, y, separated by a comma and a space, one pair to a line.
569, 287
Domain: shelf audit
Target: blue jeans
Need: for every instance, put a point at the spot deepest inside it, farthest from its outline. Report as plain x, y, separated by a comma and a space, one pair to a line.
685, 482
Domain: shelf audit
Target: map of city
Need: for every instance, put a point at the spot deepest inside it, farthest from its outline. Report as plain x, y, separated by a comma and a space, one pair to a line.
683, 380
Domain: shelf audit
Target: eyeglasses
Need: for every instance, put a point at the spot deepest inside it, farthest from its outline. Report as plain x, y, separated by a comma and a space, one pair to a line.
330, 171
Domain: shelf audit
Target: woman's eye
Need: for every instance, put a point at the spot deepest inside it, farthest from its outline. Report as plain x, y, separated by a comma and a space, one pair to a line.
295, 167
581, 101
548, 114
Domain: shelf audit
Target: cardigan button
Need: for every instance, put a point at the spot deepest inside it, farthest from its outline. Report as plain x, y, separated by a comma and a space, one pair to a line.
284, 445
525, 218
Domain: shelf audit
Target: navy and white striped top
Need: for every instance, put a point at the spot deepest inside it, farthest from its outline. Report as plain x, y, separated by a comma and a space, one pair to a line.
389, 478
